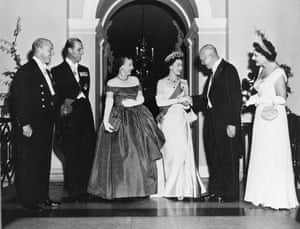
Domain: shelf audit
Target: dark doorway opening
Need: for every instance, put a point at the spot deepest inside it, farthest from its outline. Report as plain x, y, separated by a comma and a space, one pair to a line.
160, 28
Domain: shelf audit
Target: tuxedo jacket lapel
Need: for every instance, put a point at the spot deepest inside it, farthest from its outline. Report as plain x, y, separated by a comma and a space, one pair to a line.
38, 72
215, 78
70, 75
219, 70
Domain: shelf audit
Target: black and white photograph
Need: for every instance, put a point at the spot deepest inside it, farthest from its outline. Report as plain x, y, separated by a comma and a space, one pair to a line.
150, 114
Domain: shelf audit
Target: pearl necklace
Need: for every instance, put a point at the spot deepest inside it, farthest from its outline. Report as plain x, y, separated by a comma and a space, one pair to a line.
123, 79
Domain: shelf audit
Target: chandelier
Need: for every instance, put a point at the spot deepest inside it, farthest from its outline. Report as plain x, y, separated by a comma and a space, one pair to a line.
144, 55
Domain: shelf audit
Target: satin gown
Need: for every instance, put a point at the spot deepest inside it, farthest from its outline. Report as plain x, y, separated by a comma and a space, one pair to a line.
270, 180
178, 175
125, 161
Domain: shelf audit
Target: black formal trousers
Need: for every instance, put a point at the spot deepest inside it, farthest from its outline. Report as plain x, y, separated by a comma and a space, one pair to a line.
78, 140
222, 154
32, 162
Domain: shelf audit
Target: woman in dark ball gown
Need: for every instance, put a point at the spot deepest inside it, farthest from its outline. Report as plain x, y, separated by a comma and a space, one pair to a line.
128, 142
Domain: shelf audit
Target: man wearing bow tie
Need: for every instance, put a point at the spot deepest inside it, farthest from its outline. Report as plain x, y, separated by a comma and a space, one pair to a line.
221, 104
33, 113
76, 124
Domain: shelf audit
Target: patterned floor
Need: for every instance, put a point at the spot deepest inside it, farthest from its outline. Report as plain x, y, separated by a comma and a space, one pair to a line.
145, 213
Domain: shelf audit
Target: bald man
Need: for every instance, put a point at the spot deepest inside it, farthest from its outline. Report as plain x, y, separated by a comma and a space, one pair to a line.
221, 104
33, 110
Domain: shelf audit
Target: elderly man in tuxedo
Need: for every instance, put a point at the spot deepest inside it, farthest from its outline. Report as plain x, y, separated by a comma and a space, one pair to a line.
221, 104
33, 115
75, 123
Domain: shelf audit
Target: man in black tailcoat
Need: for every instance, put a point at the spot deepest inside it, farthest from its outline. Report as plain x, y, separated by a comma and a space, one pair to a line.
221, 104
75, 123
33, 114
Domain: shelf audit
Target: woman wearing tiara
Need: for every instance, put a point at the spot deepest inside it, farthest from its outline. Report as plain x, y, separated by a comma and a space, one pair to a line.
181, 177
129, 140
270, 180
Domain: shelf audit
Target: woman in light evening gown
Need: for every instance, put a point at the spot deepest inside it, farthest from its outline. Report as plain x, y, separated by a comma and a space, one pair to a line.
128, 142
180, 177
270, 180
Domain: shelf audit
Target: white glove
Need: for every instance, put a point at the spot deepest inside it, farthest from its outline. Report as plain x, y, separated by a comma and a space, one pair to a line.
27, 131
278, 100
255, 99
108, 127
252, 100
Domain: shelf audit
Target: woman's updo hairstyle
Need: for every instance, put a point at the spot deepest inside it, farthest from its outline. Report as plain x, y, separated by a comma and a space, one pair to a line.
266, 48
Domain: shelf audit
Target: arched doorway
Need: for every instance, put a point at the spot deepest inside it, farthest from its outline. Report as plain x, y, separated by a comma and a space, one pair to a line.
183, 13
119, 30
147, 32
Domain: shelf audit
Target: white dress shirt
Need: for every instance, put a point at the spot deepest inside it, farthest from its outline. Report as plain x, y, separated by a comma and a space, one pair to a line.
43, 67
74, 68
214, 69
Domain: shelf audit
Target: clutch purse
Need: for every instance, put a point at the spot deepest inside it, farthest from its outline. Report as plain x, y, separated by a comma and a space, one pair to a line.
115, 121
269, 113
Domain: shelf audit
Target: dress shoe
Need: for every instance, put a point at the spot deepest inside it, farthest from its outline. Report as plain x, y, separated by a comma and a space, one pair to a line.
33, 207
180, 197
214, 198
50, 203
228, 199
202, 199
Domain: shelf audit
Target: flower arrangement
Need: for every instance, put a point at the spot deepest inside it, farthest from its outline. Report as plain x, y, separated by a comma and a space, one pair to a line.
6, 77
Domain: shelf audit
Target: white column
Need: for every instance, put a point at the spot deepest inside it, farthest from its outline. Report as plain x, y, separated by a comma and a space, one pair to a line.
85, 30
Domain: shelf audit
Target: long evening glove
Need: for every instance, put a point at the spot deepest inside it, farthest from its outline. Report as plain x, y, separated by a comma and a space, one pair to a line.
255, 99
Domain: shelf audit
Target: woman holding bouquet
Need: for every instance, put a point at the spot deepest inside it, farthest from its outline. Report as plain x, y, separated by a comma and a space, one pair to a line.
180, 175
129, 140
270, 180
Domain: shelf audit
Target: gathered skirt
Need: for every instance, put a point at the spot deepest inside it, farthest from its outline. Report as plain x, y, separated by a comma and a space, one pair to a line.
125, 161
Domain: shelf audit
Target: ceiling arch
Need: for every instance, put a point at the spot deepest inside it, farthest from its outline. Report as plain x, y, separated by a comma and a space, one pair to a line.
107, 8
104, 9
